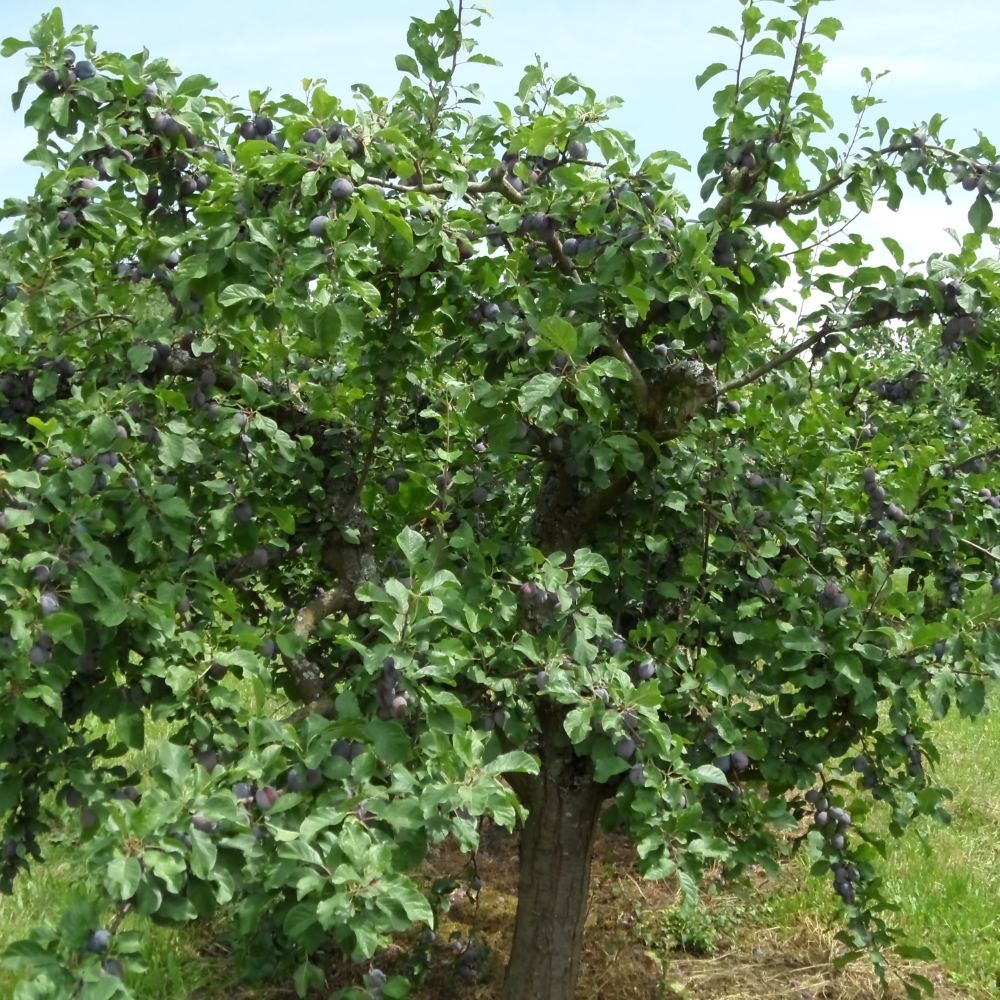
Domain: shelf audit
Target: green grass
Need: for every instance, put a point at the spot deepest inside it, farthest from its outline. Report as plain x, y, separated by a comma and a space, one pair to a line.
946, 880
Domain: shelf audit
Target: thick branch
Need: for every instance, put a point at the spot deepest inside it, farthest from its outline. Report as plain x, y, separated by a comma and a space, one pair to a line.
561, 260
308, 677
640, 390
783, 208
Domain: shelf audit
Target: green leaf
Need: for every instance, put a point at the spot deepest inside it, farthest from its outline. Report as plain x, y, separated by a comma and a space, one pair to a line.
390, 741
407, 64
714, 70
19, 479
895, 249
203, 854
412, 544
914, 953
130, 725
981, 214
768, 47
586, 561
11, 45
561, 332
709, 774
516, 760
539, 390
233, 295
828, 27
725, 32
122, 877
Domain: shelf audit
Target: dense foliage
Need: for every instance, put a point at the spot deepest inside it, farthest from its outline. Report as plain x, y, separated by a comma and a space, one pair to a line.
407, 461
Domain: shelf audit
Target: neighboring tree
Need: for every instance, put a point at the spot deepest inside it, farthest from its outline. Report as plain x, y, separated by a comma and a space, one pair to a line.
426, 463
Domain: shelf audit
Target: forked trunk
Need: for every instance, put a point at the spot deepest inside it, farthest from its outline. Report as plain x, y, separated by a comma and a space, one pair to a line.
557, 845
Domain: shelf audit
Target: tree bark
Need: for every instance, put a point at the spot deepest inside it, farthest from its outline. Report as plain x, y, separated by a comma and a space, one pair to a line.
557, 846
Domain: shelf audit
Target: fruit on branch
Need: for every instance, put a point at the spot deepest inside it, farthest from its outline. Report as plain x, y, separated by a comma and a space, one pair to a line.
267, 797
98, 941
341, 189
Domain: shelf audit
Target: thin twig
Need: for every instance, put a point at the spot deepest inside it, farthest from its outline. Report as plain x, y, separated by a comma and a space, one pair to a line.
458, 45
775, 362
791, 78
97, 318
823, 239
979, 548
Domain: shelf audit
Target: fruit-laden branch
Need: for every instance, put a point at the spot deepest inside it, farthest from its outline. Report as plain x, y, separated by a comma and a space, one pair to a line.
499, 185
563, 262
783, 207
870, 318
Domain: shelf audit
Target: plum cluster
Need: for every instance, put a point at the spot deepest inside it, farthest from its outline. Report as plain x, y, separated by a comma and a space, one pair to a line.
901, 390
338, 132
725, 253
845, 877
957, 324
472, 960
735, 762
832, 598
301, 779
879, 508
391, 703
973, 177
908, 742
832, 821
55, 80
17, 389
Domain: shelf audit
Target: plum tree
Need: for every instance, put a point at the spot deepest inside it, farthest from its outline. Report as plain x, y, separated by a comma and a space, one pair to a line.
470, 440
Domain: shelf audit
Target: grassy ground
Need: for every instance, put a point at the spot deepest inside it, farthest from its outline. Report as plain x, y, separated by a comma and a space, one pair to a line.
777, 943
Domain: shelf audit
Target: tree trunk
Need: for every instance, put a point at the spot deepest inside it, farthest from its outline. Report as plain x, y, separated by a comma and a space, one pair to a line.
557, 845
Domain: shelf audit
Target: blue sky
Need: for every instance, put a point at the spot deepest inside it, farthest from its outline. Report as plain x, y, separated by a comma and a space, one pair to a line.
645, 51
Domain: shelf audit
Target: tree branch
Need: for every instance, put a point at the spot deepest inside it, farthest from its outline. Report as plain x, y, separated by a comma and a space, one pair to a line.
979, 548
499, 185
94, 319
775, 362
640, 390
791, 78
565, 265
783, 208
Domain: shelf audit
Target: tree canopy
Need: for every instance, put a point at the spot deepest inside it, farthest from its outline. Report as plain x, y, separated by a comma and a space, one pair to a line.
414, 460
